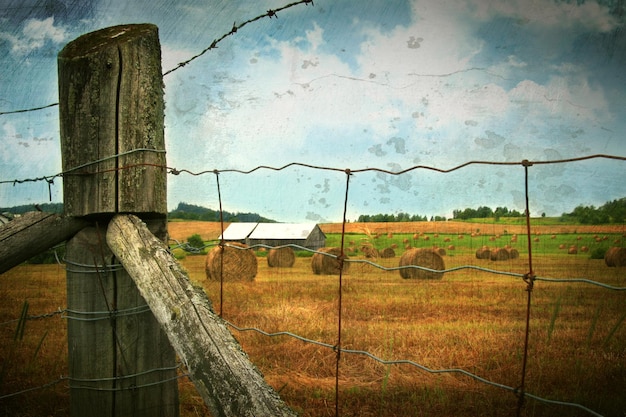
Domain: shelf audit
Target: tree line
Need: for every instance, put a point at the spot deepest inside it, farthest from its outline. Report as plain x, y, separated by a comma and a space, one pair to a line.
186, 211
610, 212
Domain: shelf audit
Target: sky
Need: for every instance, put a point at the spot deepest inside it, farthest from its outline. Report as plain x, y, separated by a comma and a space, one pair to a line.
348, 84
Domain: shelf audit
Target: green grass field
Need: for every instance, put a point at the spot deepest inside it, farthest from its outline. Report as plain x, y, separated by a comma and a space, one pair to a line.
471, 320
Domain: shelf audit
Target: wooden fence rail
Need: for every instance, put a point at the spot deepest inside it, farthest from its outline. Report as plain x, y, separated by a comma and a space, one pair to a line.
224, 376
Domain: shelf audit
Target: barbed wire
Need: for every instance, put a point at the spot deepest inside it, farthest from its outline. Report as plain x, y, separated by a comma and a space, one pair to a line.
269, 14
174, 171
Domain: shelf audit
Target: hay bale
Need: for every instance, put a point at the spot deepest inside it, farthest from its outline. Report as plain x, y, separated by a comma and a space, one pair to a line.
513, 253
283, 257
387, 253
421, 257
451, 247
239, 264
440, 251
322, 264
370, 251
615, 257
483, 253
499, 254
573, 250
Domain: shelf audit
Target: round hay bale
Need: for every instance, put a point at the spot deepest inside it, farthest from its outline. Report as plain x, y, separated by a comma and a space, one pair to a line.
451, 247
584, 248
513, 253
562, 246
483, 253
615, 257
573, 250
499, 254
440, 251
322, 264
370, 251
388, 253
421, 257
283, 257
389, 235
239, 264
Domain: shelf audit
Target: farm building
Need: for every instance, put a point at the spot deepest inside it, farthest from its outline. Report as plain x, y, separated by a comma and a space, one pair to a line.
276, 234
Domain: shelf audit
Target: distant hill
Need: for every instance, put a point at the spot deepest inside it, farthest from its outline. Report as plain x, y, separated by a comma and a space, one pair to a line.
47, 207
192, 212
183, 211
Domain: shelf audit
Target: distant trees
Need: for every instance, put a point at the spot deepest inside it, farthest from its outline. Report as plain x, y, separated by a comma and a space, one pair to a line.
610, 212
388, 218
186, 211
484, 212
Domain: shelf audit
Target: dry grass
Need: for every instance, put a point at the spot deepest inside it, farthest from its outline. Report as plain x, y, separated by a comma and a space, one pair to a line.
470, 320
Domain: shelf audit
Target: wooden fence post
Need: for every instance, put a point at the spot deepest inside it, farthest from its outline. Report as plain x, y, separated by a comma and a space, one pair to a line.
112, 143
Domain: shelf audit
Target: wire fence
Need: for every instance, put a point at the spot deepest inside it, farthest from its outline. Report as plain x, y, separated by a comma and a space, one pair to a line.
528, 278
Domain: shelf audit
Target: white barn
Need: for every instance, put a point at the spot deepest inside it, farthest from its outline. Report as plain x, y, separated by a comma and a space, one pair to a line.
308, 235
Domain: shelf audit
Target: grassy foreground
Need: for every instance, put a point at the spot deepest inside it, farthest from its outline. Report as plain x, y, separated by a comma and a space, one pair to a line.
471, 320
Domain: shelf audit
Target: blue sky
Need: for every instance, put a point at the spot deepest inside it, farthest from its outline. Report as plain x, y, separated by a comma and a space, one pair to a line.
349, 84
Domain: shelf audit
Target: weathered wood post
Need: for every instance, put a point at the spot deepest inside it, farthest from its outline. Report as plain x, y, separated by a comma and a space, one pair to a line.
111, 113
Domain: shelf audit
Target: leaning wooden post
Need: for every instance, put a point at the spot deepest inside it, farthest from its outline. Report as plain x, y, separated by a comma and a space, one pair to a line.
112, 143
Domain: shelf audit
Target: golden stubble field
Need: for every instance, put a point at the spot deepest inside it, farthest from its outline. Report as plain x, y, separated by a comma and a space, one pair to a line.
471, 320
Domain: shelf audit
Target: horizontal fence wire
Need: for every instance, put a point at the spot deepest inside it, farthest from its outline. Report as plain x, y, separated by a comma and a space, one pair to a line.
198, 250
412, 363
92, 380
81, 169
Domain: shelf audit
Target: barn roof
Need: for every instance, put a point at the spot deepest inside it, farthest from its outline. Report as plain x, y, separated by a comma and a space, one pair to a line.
238, 231
294, 231
283, 230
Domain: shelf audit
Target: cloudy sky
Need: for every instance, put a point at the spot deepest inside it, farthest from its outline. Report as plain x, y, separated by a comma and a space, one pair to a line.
349, 84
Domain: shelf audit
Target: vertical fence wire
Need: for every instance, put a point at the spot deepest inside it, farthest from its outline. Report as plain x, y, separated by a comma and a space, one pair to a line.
221, 244
529, 279
341, 260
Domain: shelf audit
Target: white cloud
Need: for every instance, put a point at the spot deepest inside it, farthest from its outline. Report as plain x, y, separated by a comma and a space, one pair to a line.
589, 15
34, 35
